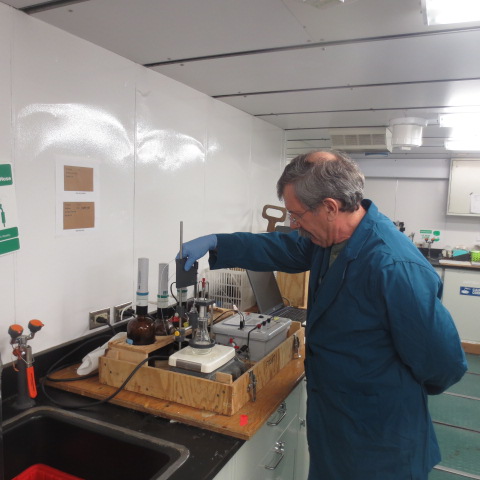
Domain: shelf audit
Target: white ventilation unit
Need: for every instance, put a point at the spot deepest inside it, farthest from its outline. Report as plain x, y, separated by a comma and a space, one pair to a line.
361, 139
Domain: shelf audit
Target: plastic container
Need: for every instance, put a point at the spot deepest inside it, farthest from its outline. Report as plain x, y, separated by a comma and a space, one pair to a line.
40, 471
475, 257
260, 341
230, 286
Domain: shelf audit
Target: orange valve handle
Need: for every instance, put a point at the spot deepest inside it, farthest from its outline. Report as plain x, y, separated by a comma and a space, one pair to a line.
35, 325
32, 388
15, 331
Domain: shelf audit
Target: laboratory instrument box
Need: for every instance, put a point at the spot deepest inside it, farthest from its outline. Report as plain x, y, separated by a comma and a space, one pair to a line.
260, 333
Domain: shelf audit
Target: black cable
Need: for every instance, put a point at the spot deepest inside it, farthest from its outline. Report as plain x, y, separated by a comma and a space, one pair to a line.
91, 340
215, 320
105, 322
53, 369
248, 338
73, 379
110, 397
171, 292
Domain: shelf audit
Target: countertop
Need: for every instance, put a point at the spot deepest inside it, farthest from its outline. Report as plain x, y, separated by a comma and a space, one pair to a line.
208, 451
437, 260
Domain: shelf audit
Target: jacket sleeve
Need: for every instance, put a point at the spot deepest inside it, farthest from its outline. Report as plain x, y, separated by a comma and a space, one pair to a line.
262, 252
422, 329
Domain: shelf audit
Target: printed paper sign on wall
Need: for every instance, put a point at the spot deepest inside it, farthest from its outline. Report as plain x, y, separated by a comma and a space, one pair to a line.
77, 183
9, 241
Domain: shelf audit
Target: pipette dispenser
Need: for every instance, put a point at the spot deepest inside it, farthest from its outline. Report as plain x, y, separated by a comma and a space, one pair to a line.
163, 324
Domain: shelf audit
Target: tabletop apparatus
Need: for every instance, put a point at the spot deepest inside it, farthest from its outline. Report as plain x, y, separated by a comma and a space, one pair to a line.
257, 334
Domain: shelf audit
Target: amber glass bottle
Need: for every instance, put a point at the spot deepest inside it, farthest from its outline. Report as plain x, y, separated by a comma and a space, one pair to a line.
141, 328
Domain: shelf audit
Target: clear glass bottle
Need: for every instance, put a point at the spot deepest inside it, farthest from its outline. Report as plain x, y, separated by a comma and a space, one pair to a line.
163, 322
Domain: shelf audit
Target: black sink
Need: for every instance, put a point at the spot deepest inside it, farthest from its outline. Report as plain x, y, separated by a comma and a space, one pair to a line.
86, 448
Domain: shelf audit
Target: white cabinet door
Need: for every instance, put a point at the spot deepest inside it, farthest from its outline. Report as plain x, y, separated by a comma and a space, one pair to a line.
302, 456
262, 450
279, 462
461, 295
227, 472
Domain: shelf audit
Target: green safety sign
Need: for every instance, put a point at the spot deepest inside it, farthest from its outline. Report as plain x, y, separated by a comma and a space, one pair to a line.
9, 240
430, 234
5, 175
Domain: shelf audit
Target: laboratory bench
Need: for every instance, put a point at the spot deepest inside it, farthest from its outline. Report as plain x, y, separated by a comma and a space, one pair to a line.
205, 451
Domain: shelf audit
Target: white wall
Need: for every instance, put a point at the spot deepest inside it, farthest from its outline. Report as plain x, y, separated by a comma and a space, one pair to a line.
416, 192
164, 153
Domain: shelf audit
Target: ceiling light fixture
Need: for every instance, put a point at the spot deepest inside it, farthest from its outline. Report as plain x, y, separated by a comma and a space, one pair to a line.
462, 144
467, 120
406, 132
465, 131
441, 12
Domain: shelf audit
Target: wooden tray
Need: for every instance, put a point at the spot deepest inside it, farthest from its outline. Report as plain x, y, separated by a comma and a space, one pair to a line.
243, 424
222, 395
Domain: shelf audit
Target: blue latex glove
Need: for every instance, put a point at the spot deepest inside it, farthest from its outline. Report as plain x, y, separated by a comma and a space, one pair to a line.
197, 248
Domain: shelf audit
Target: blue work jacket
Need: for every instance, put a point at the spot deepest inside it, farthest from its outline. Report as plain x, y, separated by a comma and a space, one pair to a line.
378, 342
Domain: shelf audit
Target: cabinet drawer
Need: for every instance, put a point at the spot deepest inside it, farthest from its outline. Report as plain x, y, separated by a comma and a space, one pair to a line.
279, 462
252, 453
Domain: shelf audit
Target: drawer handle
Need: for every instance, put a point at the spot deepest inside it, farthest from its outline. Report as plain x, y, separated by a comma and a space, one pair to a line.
280, 451
282, 411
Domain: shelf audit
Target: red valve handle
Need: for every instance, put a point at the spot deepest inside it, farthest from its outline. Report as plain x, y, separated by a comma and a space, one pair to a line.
32, 388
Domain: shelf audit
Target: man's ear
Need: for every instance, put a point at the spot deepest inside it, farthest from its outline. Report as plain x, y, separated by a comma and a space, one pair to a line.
332, 207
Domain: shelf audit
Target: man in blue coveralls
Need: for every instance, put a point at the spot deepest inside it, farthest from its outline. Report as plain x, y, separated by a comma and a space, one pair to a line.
379, 340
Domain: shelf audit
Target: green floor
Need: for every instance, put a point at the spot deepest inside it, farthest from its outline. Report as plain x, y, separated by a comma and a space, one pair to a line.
456, 416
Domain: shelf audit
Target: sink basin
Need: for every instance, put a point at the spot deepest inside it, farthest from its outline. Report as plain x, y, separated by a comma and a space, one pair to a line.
86, 448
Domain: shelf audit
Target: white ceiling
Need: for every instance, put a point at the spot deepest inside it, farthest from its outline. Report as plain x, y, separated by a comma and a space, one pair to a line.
303, 65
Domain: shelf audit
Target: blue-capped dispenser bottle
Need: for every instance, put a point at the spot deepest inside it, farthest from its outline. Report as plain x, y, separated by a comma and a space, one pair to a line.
141, 328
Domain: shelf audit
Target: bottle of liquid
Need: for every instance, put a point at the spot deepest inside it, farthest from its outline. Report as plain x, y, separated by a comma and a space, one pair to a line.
141, 328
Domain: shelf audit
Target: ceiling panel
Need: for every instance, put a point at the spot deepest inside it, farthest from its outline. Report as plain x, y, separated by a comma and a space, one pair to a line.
395, 96
302, 65
410, 59
358, 18
153, 31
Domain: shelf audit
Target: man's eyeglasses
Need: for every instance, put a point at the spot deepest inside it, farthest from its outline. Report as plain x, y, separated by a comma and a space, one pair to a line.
296, 217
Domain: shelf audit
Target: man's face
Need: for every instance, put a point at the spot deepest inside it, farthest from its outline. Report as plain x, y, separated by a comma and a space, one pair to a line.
311, 224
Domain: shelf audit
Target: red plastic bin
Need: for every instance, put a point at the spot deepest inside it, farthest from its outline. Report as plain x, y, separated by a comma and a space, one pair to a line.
44, 472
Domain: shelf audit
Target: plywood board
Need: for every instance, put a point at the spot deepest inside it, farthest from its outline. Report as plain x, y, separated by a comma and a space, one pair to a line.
243, 424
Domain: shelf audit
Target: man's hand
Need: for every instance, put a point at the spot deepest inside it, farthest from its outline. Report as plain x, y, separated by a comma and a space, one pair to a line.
197, 248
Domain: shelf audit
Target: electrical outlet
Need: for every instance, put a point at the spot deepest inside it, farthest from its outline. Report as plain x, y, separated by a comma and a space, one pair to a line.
117, 311
104, 313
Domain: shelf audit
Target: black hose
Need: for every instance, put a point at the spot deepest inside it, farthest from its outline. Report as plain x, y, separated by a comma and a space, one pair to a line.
53, 369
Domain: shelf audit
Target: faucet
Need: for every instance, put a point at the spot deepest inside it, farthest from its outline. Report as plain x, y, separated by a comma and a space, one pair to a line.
429, 242
27, 390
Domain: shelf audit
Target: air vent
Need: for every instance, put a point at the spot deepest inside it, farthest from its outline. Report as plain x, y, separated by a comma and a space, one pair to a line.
361, 139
